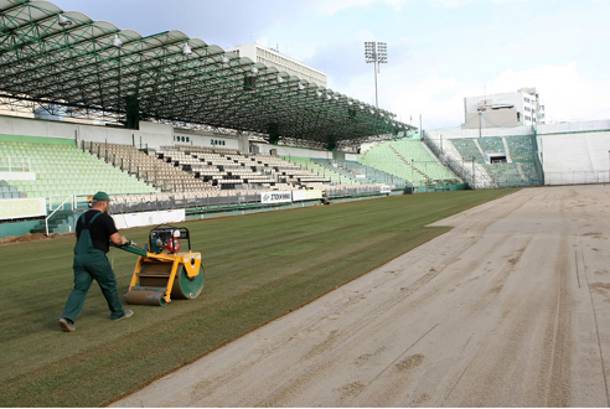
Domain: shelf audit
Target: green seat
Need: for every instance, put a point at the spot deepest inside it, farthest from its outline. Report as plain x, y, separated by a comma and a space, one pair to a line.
62, 169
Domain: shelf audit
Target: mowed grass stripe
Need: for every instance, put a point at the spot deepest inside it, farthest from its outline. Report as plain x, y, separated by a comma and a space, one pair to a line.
259, 267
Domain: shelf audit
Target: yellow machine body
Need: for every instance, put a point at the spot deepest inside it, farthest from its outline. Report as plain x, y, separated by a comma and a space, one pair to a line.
157, 278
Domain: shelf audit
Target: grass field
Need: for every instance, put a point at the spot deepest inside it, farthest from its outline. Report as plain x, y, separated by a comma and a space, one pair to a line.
259, 267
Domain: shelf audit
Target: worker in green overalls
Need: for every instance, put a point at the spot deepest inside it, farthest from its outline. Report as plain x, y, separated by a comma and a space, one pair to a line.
95, 230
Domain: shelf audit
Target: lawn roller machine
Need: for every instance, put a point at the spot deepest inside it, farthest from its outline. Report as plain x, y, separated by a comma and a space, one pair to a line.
163, 271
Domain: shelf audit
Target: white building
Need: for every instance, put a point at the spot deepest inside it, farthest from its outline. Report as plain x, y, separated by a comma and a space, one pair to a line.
505, 110
273, 58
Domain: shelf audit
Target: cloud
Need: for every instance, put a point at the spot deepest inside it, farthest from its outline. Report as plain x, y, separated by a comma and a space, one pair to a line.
567, 93
333, 7
565, 90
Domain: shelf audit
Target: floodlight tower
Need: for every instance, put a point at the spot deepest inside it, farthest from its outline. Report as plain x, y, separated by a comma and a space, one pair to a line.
376, 53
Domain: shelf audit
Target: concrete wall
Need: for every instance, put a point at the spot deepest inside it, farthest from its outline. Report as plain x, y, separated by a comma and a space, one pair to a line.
573, 127
205, 139
151, 134
576, 158
493, 118
18, 228
265, 149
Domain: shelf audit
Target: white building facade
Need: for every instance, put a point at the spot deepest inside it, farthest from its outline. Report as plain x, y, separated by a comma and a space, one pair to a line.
273, 58
505, 110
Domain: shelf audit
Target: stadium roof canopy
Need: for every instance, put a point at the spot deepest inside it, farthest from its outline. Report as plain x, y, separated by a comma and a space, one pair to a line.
48, 55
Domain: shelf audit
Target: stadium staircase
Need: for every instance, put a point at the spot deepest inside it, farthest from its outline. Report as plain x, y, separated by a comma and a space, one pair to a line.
411, 165
472, 172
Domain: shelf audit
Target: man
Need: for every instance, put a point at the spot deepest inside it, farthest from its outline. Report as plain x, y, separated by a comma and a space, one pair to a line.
95, 230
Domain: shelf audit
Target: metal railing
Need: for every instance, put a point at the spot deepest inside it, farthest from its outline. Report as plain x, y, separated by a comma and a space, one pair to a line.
70, 201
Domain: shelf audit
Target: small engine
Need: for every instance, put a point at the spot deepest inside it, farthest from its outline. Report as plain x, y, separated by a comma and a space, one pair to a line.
166, 239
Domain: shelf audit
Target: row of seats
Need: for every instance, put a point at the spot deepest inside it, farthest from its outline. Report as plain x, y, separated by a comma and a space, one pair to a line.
287, 172
9, 192
158, 172
409, 160
223, 170
368, 173
324, 171
61, 169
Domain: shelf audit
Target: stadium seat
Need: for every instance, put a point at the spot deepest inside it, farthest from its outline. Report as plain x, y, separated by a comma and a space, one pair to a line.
410, 160
62, 170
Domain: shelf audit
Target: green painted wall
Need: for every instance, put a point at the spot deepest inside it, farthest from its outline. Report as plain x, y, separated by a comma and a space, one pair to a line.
13, 229
36, 139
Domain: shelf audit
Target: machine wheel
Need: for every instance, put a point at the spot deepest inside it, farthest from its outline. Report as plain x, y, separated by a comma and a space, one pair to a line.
185, 288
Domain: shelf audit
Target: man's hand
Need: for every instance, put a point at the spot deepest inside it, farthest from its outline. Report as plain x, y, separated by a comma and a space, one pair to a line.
118, 240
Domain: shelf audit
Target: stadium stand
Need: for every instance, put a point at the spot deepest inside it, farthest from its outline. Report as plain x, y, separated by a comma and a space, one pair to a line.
519, 166
359, 171
228, 170
9, 192
290, 173
469, 150
62, 170
341, 172
410, 160
492, 145
323, 169
197, 169
147, 166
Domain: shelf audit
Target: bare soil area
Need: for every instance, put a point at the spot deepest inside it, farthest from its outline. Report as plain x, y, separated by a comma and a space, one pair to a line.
510, 308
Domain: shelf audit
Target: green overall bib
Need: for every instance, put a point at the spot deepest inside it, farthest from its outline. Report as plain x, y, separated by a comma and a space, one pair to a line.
91, 264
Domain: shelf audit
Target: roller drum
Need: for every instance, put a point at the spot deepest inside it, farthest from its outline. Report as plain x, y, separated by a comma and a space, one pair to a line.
186, 288
145, 297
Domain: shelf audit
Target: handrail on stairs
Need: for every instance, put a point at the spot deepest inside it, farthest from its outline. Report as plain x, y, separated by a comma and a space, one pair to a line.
70, 199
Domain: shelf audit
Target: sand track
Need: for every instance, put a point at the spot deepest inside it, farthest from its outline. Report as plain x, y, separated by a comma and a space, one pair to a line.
511, 307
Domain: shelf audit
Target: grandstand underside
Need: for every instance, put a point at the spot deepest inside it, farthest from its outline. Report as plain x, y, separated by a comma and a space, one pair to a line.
66, 58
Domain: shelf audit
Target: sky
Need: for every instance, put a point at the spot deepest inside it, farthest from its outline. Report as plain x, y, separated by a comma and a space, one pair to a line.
440, 51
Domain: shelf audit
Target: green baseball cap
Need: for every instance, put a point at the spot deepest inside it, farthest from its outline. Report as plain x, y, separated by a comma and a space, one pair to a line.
101, 197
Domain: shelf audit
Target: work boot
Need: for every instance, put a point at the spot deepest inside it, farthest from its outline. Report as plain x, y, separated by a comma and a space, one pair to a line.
126, 314
66, 325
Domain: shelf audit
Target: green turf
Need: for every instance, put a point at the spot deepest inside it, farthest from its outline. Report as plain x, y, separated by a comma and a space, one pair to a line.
259, 267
